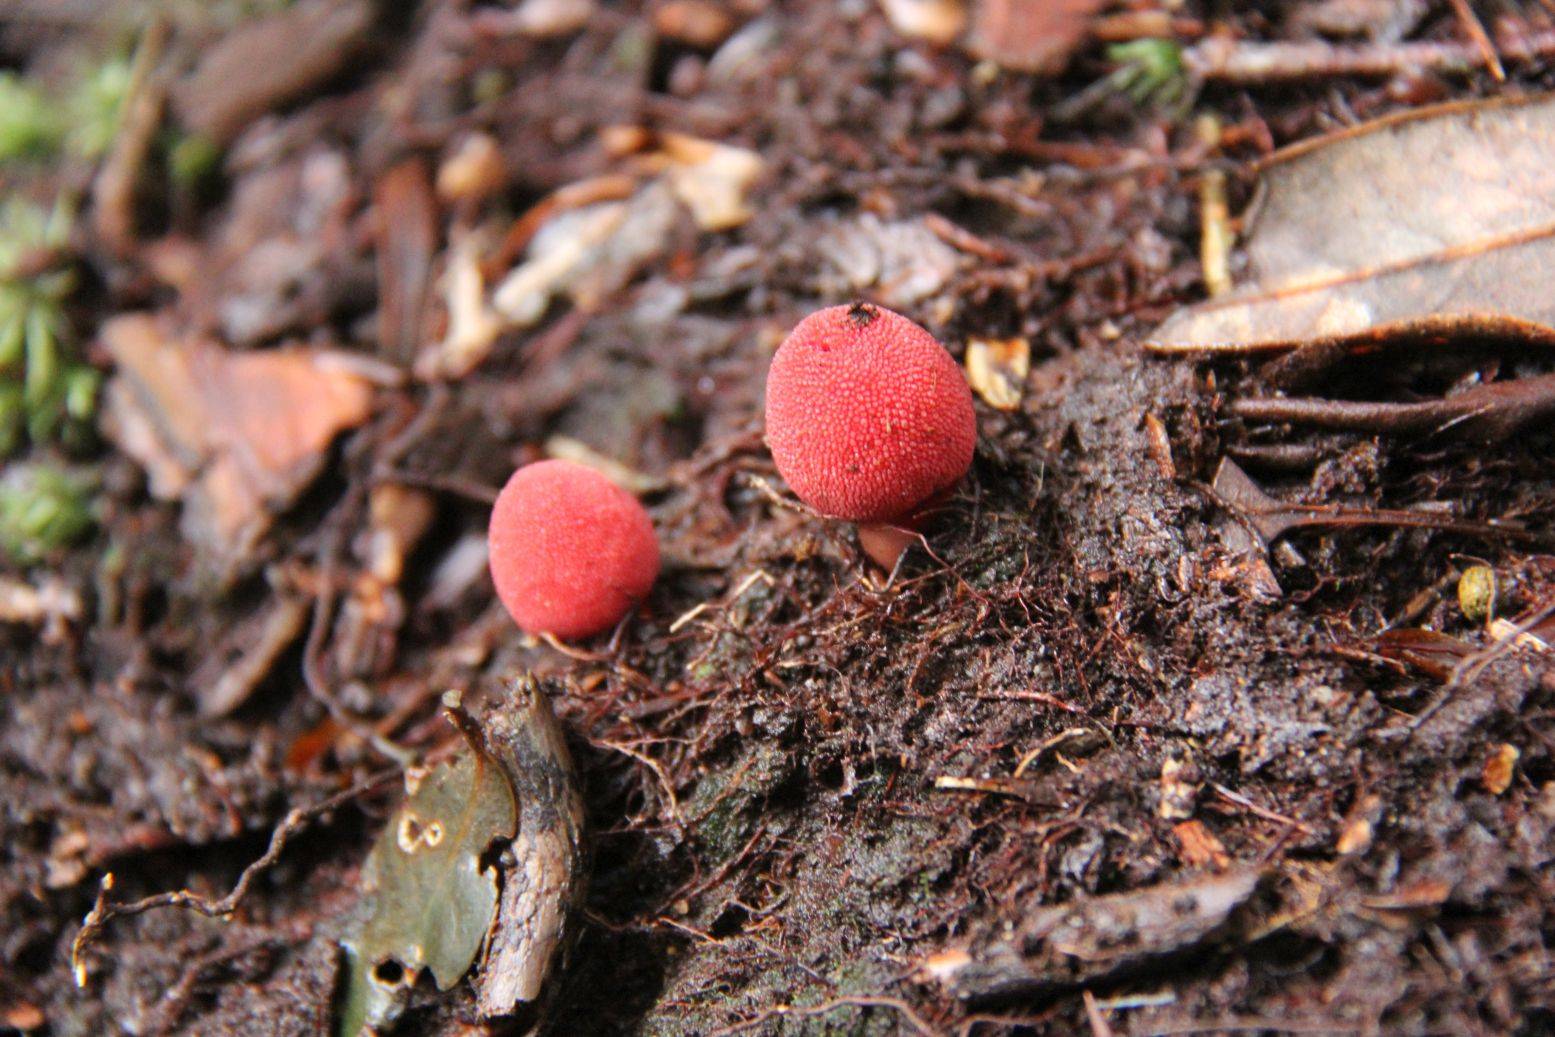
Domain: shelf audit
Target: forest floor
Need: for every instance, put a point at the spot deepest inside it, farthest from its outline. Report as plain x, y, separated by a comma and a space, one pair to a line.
1103, 760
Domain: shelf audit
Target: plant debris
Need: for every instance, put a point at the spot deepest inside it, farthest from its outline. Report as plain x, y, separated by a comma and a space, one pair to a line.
433, 896
235, 436
1467, 250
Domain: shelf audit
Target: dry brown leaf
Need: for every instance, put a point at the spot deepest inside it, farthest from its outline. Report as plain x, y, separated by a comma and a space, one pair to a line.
235, 436
1435, 222
997, 369
1030, 35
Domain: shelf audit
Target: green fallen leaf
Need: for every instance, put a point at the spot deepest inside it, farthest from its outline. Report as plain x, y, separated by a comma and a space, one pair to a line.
432, 902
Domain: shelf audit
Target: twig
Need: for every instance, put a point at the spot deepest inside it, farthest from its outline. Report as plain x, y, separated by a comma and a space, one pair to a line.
1263, 812
295, 820
1215, 237
323, 617
1099, 1025
1249, 64
1472, 666
113, 189
1476, 30
1490, 412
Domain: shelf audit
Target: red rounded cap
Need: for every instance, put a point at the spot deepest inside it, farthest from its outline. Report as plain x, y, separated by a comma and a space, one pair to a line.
571, 552
868, 417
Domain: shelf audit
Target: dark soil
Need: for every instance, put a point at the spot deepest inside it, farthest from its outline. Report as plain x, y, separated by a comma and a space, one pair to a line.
774, 846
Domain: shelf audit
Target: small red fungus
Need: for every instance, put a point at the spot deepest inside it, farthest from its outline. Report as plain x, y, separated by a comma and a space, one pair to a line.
571, 552
868, 417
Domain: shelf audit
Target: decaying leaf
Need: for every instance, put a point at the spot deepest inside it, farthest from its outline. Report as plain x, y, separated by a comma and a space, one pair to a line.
586, 254
1198, 846
269, 61
53, 605
997, 369
697, 23
1436, 222
711, 179
545, 881
902, 262
1097, 939
235, 436
547, 19
473, 171
433, 900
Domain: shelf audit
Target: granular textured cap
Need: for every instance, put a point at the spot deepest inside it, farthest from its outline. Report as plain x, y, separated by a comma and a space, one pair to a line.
868, 417
571, 552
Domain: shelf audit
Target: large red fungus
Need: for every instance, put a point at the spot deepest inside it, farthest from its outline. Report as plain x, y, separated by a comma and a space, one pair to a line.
571, 552
868, 417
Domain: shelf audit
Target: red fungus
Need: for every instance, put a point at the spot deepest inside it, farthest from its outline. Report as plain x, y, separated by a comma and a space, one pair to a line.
571, 552
868, 417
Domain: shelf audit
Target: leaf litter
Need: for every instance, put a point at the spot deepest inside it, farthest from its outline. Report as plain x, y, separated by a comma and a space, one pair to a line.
432, 892
1438, 222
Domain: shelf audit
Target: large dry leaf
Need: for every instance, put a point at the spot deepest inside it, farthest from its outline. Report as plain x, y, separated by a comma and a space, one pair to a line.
1437, 222
235, 436
432, 899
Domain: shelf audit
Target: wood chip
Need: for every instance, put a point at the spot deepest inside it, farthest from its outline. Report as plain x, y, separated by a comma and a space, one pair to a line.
1500, 768
997, 369
1198, 846
937, 21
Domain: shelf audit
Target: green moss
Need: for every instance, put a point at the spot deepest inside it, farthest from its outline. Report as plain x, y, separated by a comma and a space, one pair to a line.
43, 390
31, 125
95, 103
42, 509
